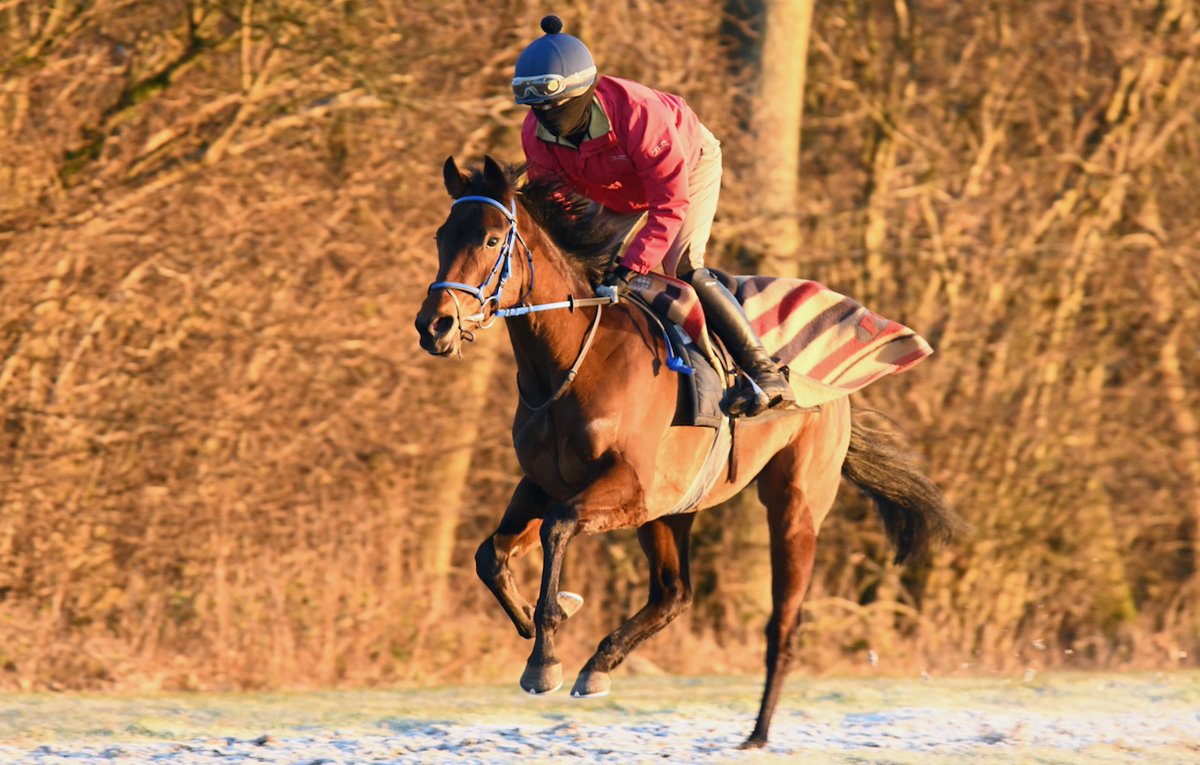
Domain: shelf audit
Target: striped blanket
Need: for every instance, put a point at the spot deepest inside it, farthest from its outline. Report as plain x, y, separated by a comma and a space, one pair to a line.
831, 344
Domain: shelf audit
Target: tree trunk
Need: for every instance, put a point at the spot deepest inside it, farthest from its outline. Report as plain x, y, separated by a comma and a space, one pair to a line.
777, 122
773, 250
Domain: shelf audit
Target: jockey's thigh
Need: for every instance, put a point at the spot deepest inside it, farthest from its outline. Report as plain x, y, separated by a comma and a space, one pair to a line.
704, 186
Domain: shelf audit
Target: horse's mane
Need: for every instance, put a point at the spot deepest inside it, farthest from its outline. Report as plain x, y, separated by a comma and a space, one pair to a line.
581, 229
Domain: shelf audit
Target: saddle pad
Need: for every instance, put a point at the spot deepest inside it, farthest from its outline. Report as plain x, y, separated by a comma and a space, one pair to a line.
831, 344
676, 301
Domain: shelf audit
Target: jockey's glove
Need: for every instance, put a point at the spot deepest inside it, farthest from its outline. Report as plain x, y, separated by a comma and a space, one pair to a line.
617, 279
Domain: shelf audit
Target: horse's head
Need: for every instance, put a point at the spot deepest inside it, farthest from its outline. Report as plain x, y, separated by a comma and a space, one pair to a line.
481, 259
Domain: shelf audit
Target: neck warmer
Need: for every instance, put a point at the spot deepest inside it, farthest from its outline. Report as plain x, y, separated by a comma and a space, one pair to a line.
568, 119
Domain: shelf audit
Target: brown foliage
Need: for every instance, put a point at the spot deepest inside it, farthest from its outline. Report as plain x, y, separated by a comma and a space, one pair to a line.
224, 461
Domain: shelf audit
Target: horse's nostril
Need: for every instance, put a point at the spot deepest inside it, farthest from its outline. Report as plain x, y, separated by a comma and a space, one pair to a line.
443, 326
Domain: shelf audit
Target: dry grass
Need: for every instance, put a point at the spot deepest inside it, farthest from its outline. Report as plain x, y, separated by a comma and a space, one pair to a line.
225, 463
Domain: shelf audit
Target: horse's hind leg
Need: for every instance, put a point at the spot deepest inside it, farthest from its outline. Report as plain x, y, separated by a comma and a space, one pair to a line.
665, 542
516, 534
798, 486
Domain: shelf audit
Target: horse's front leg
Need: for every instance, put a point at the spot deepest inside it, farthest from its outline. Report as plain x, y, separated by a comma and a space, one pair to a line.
516, 534
613, 500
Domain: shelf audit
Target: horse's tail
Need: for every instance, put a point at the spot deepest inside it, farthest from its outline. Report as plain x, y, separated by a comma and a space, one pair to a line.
912, 508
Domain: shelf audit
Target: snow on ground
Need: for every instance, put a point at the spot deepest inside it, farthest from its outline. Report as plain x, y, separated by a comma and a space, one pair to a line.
1059, 719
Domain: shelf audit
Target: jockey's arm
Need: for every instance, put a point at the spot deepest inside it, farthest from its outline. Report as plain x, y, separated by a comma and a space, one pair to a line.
654, 147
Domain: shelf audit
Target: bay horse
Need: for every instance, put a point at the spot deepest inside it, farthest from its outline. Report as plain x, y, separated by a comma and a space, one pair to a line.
594, 439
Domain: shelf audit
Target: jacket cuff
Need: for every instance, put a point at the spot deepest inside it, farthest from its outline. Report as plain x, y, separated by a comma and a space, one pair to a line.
637, 265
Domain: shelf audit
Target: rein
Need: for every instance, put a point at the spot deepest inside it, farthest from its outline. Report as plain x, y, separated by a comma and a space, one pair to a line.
503, 269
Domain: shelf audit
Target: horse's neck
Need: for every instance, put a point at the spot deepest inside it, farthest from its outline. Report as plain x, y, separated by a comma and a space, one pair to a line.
547, 343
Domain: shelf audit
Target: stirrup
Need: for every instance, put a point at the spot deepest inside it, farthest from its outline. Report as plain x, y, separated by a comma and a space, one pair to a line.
745, 399
784, 403
785, 399
748, 398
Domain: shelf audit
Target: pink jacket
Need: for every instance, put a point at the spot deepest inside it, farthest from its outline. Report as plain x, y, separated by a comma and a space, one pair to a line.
639, 148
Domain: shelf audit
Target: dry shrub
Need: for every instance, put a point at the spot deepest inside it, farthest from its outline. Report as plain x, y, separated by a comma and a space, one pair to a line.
225, 462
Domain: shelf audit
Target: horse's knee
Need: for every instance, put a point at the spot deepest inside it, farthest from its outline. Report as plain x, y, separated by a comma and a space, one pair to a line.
487, 563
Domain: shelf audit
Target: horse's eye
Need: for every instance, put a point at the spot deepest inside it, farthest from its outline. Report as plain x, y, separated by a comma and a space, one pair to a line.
493, 241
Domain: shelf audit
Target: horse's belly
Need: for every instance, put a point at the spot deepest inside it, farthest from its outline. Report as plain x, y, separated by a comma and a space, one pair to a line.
680, 457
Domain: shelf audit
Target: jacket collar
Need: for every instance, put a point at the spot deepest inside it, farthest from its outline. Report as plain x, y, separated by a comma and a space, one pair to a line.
598, 126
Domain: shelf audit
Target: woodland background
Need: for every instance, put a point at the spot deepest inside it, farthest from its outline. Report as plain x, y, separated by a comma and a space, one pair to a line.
224, 461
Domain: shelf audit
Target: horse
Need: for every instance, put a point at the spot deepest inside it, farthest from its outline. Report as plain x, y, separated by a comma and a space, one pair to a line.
594, 438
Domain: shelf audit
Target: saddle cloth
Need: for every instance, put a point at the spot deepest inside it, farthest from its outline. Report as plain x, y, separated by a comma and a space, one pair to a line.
831, 344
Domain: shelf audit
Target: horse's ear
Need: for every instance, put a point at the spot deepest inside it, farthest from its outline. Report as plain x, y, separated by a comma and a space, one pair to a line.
494, 175
456, 182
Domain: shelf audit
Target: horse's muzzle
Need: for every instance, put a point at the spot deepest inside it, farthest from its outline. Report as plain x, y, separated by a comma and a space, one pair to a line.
439, 333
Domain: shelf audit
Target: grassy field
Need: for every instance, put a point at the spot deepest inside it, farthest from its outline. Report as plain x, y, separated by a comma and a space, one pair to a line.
1067, 718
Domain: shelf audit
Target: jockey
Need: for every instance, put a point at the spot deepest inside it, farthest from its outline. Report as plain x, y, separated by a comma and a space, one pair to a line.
638, 151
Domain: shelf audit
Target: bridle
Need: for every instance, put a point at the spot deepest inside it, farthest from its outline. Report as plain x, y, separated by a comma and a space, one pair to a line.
503, 268
501, 271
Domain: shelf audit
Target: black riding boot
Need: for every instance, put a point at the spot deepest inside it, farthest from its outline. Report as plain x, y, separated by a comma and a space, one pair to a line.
727, 319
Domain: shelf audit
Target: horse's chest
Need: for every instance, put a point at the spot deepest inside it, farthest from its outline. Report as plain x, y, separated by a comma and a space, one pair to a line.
560, 457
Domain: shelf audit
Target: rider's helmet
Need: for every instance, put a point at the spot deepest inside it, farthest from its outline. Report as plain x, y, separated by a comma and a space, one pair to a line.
553, 67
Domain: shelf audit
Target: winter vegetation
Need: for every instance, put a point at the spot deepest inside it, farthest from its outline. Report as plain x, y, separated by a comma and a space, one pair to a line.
225, 463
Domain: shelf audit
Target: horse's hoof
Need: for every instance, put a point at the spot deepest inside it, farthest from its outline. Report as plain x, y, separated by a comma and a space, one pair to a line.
591, 685
569, 602
539, 680
754, 742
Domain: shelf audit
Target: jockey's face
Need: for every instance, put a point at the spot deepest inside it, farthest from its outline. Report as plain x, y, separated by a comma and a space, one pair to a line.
564, 116
547, 105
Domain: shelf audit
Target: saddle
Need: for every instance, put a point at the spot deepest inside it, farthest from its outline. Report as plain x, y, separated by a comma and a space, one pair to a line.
831, 344
702, 377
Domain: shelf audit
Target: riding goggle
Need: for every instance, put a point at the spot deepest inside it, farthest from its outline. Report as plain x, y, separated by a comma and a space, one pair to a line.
551, 87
